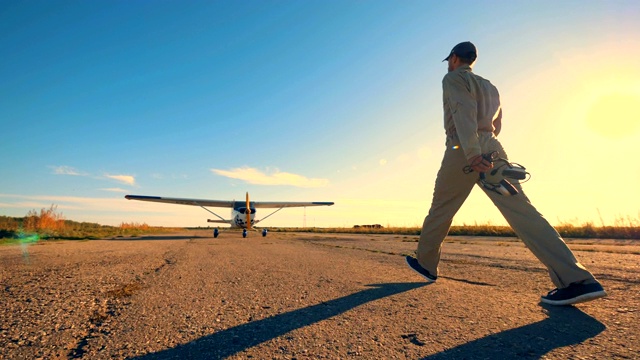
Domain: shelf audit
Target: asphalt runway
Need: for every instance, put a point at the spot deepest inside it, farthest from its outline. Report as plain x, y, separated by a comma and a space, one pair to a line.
307, 296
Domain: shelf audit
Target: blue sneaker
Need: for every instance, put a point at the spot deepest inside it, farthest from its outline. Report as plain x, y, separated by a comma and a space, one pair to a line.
415, 266
574, 293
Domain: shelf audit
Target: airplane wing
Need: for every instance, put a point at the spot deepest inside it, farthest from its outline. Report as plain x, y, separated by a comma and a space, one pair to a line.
225, 203
284, 204
182, 201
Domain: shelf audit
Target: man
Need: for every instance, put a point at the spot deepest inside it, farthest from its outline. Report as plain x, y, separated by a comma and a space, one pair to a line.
472, 120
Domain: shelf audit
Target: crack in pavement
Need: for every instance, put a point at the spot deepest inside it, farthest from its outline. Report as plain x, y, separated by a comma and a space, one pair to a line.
102, 311
109, 308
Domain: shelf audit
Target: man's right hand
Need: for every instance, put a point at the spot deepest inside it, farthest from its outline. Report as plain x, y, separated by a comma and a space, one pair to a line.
480, 164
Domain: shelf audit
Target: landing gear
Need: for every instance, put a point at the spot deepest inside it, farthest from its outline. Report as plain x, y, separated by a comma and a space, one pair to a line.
216, 232
264, 232
244, 233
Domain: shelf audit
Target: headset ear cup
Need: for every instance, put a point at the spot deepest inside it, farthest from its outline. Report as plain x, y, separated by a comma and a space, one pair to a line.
501, 190
510, 189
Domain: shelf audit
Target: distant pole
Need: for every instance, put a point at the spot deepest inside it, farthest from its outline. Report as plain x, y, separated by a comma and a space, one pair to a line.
304, 219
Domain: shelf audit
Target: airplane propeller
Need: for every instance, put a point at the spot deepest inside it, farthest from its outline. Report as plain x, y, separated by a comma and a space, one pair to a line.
248, 212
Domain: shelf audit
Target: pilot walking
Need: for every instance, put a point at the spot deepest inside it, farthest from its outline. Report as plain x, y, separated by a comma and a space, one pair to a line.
472, 120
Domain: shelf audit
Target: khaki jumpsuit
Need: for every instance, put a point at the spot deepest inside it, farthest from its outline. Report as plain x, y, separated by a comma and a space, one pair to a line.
471, 108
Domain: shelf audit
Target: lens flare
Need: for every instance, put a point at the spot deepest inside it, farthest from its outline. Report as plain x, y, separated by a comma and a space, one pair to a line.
25, 240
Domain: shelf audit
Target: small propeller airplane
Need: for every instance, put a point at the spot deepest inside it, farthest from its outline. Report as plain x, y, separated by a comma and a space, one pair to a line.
242, 213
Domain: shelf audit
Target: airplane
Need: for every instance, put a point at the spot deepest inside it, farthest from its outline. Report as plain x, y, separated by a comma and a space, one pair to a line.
242, 214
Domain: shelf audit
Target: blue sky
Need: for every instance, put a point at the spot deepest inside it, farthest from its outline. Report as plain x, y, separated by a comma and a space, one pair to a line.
305, 101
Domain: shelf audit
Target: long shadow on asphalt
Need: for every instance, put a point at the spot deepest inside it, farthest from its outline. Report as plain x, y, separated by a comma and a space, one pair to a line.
565, 326
231, 341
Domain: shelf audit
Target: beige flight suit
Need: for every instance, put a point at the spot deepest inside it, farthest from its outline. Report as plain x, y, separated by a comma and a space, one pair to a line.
471, 105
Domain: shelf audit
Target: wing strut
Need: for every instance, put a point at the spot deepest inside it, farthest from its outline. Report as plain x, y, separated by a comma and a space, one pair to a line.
219, 217
271, 214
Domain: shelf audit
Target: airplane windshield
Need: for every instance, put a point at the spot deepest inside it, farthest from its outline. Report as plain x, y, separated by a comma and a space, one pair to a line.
243, 210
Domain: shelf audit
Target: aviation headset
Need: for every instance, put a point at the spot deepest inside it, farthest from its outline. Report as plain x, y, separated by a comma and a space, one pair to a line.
496, 178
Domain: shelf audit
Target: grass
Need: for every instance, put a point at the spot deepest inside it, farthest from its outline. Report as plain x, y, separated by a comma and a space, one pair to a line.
585, 231
49, 224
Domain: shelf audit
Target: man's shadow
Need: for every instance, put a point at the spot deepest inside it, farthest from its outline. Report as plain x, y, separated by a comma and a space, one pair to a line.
566, 325
233, 340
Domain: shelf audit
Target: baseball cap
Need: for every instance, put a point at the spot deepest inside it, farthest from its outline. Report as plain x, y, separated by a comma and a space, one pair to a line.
464, 50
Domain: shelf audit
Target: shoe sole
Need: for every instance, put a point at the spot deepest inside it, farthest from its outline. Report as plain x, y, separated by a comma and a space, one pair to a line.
417, 272
576, 300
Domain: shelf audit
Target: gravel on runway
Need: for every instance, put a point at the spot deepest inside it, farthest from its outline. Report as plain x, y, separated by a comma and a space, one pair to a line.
306, 296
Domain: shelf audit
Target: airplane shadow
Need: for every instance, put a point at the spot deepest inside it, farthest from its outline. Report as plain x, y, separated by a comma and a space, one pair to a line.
565, 326
231, 341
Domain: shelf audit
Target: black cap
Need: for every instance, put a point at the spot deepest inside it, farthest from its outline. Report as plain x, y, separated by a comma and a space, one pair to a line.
464, 50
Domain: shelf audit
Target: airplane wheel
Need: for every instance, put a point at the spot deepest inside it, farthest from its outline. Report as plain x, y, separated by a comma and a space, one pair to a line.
244, 233
216, 233
264, 232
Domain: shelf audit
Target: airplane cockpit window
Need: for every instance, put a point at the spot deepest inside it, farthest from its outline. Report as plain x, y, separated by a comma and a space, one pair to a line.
243, 210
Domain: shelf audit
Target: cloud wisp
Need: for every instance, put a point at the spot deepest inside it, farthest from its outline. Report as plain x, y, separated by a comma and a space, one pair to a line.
71, 171
63, 202
125, 179
67, 170
257, 177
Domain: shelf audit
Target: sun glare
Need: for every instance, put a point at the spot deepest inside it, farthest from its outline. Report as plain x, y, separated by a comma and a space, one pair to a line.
614, 115
584, 126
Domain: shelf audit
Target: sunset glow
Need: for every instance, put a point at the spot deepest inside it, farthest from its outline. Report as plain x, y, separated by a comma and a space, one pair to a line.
310, 101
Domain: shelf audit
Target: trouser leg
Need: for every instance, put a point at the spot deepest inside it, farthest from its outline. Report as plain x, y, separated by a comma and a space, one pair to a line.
539, 236
451, 190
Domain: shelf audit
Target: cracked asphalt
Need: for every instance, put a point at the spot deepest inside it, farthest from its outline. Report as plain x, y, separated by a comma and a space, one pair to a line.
307, 296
